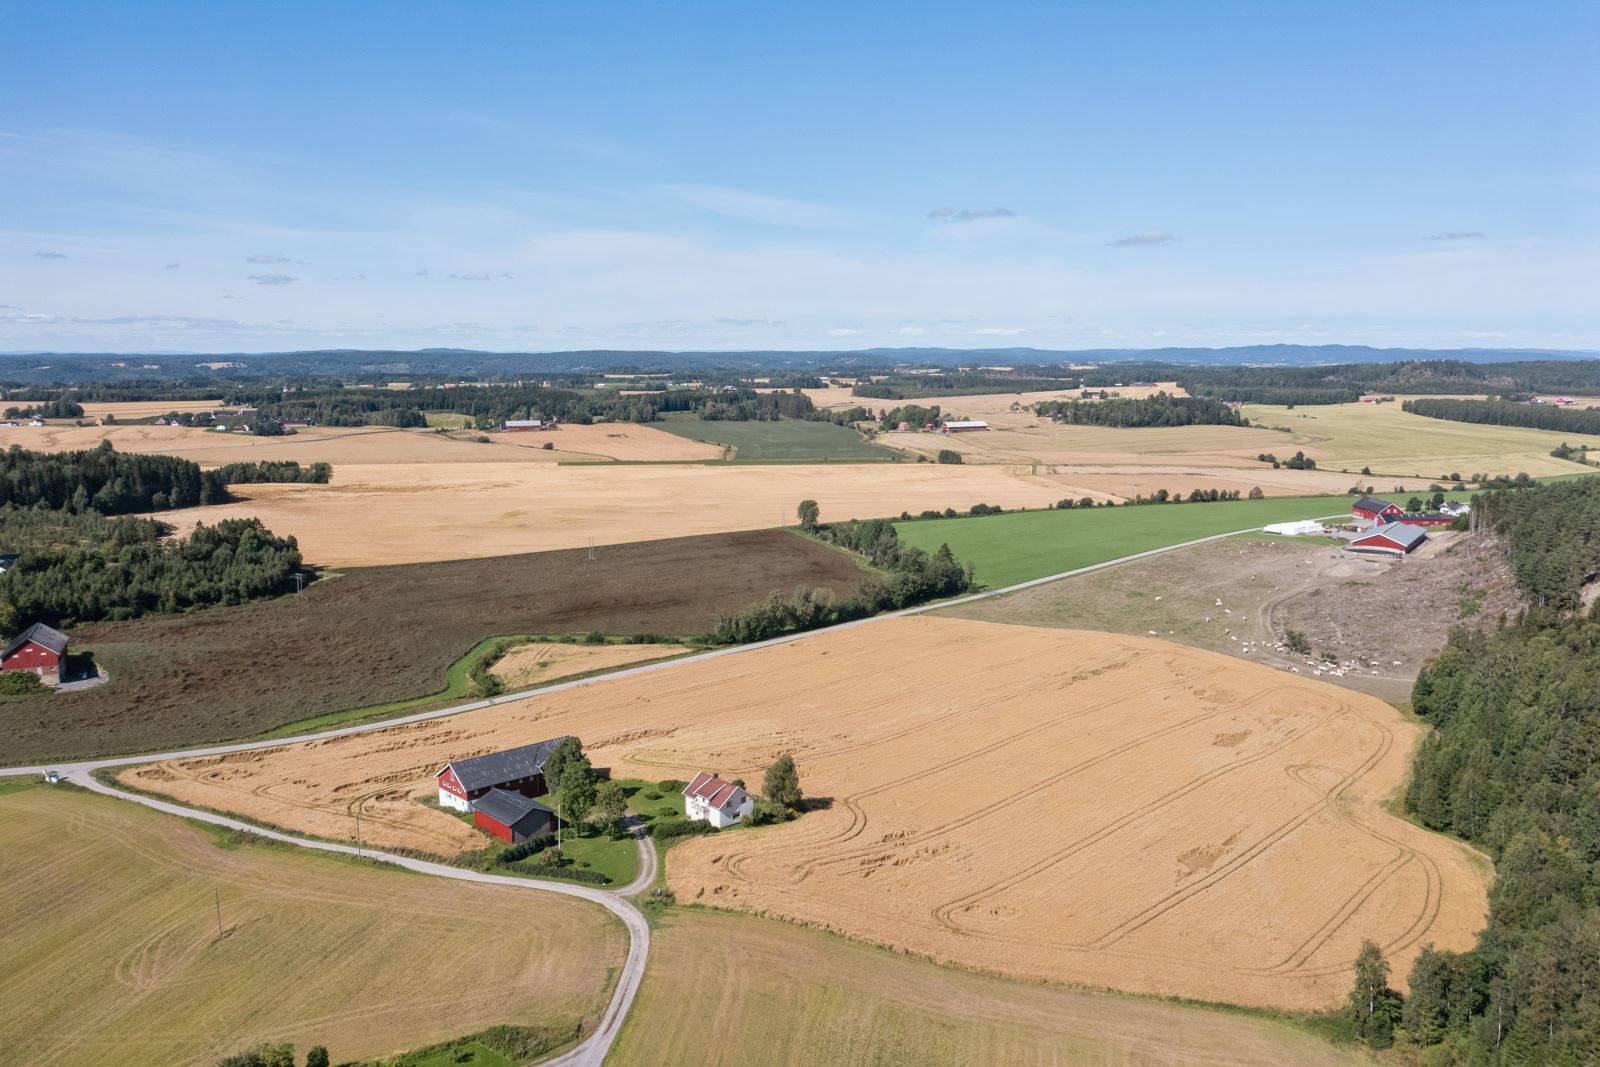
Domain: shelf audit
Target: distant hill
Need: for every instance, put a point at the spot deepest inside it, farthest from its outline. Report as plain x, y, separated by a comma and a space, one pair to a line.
70, 367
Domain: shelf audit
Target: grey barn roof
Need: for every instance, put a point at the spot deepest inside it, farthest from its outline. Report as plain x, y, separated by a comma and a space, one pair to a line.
509, 807
1372, 504
1403, 534
39, 634
476, 772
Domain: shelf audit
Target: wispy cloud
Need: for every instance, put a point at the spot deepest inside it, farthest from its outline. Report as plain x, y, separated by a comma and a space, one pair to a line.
1000, 331
471, 276
757, 207
50, 255
263, 258
172, 266
845, 331
273, 279
423, 273
1458, 235
971, 214
1148, 239
750, 322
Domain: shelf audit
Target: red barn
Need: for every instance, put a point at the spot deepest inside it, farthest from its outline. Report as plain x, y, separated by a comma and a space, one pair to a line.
511, 817
38, 649
519, 769
1390, 539
1374, 510
1434, 518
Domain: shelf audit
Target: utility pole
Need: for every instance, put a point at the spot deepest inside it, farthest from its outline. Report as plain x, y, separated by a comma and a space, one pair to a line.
358, 830
218, 897
558, 828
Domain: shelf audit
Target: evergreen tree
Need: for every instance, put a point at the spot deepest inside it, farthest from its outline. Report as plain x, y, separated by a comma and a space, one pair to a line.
1372, 1003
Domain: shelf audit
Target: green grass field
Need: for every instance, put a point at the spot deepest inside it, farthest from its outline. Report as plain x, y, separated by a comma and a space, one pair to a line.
786, 441
1016, 547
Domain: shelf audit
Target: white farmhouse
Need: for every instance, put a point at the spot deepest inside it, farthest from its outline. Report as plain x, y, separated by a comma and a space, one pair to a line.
710, 799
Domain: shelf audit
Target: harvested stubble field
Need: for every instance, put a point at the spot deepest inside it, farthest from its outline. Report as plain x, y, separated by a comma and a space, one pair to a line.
1388, 615
398, 513
111, 953
1104, 810
378, 635
721, 973
547, 661
372, 445
783, 441
1394, 443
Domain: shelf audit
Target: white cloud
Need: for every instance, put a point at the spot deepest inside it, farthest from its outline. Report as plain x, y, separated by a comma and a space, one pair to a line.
1001, 331
263, 259
1148, 239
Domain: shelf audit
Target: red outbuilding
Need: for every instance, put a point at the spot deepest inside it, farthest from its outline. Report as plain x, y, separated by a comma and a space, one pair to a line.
1391, 539
38, 649
1429, 519
511, 817
1374, 510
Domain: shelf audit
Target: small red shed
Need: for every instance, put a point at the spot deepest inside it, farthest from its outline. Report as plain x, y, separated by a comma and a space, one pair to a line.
38, 649
511, 817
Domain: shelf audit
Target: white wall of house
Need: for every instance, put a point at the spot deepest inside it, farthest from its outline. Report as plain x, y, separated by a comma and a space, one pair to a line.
448, 799
738, 807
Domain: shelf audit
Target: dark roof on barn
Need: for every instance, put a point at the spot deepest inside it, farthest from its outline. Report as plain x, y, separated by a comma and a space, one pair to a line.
1405, 536
509, 807
39, 634
475, 772
1371, 504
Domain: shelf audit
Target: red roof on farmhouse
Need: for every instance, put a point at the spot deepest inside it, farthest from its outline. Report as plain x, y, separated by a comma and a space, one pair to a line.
710, 788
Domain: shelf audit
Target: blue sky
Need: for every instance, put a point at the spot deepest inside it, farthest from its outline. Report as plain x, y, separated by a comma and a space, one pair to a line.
810, 176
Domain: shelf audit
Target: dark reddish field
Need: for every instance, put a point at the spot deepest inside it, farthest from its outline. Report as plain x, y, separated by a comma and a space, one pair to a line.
382, 634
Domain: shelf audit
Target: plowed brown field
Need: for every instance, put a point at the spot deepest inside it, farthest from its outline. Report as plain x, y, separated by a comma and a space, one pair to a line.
1106, 810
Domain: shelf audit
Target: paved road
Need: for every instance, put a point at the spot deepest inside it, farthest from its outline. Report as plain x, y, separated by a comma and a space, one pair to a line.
593, 1051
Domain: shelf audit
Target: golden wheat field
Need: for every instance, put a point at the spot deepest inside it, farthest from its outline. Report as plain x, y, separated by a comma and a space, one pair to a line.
373, 444
414, 513
1090, 808
111, 953
546, 661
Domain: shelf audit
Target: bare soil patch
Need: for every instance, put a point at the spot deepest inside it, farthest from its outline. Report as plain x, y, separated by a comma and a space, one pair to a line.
386, 634
1106, 810
1379, 619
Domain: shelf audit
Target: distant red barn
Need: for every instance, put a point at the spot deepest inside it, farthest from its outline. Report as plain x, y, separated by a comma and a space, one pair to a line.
1374, 510
38, 649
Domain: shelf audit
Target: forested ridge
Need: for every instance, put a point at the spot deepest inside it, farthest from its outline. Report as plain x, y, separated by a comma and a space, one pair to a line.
1506, 413
1513, 765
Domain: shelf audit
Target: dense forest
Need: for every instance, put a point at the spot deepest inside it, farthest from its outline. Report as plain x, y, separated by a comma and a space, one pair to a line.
106, 481
1506, 413
1158, 410
1513, 765
1347, 382
80, 568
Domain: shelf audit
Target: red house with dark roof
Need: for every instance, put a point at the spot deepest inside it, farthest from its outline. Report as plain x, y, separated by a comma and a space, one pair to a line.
38, 649
1373, 510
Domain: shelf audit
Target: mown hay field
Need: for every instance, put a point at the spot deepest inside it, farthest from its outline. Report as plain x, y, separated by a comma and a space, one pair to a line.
111, 953
377, 635
398, 513
539, 662
1088, 808
715, 972
1394, 443
783, 441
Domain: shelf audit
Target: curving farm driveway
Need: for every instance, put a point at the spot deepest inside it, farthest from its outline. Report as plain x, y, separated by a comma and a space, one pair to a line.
594, 1049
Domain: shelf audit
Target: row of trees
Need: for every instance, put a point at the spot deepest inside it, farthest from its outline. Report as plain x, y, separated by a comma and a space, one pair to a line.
60, 408
274, 1055
1505, 413
955, 383
275, 470
1162, 409
912, 577
105, 480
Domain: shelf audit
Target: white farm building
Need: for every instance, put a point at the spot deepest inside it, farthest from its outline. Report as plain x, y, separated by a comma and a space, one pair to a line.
1293, 529
710, 799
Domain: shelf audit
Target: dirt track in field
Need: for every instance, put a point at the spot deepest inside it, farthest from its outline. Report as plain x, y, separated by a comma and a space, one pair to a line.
1105, 810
